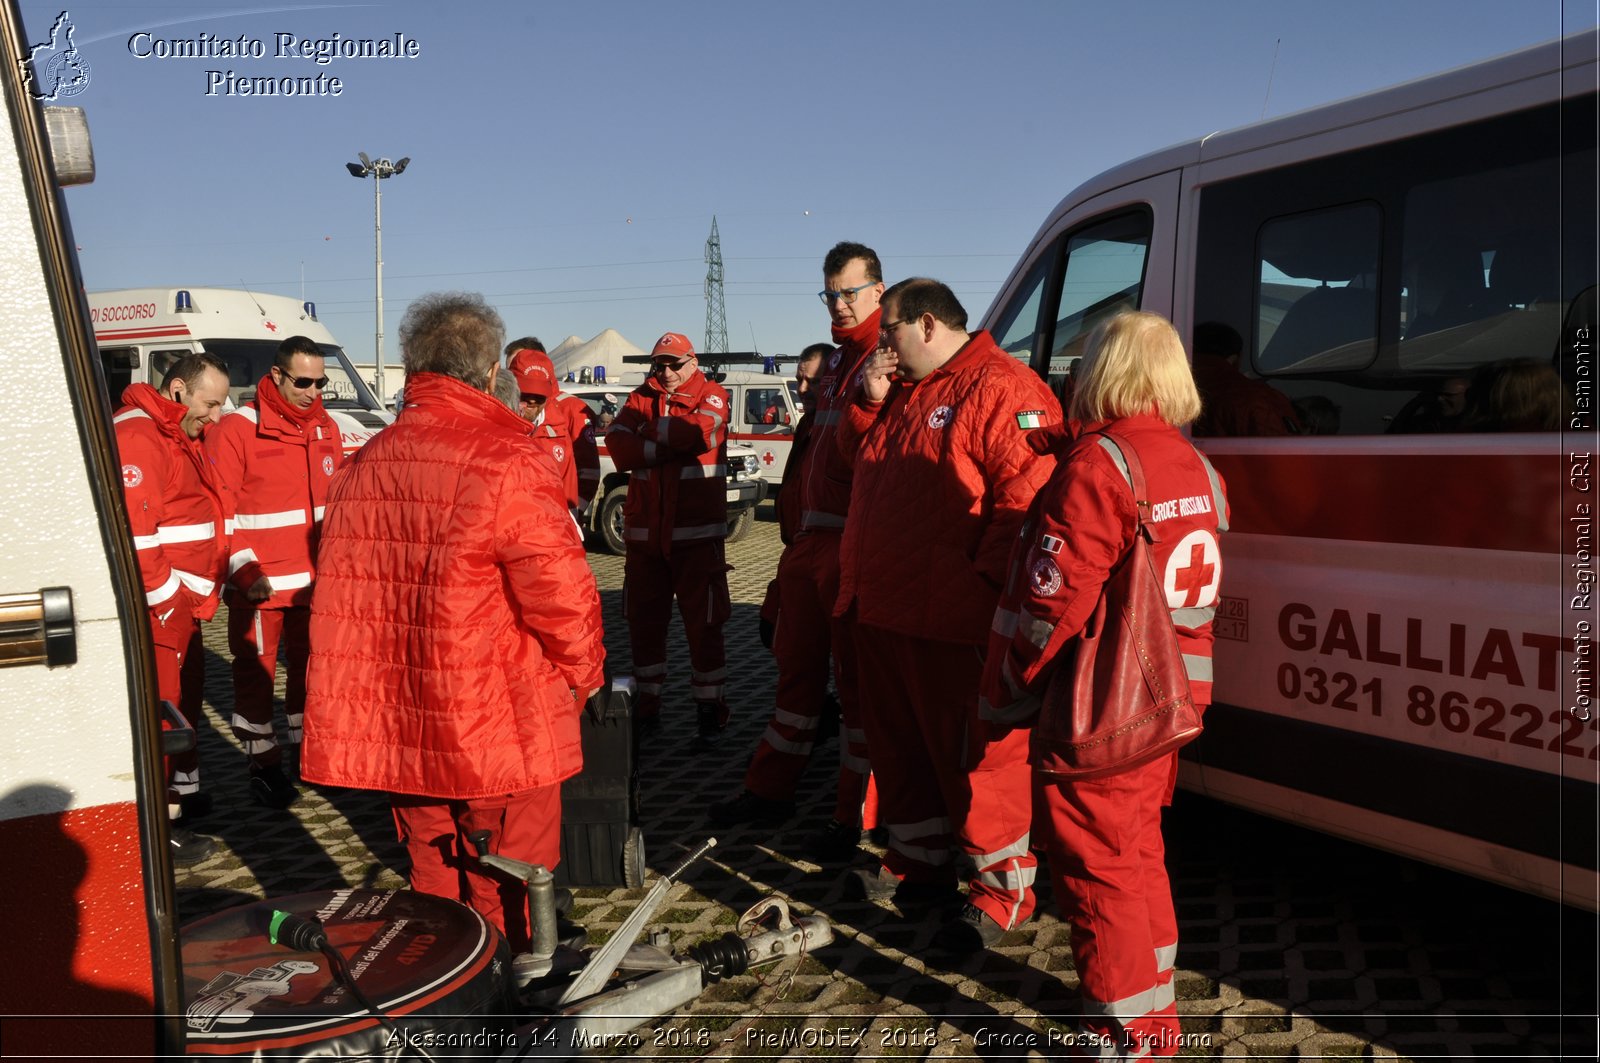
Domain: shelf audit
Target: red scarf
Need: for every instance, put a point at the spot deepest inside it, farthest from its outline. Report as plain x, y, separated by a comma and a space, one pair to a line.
859, 339
268, 395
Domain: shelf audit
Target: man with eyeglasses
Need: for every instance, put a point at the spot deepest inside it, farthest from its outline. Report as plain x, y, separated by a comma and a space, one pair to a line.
943, 480
852, 283
274, 457
563, 425
671, 436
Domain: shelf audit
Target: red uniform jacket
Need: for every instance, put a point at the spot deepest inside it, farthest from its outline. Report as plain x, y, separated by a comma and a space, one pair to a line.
943, 476
454, 611
1080, 527
274, 470
676, 449
579, 420
825, 479
174, 508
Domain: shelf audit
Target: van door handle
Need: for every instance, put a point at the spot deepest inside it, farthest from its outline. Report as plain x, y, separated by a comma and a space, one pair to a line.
38, 628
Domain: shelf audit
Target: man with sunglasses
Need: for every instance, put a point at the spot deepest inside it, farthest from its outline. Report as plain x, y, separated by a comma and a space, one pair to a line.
274, 457
563, 425
808, 577
672, 436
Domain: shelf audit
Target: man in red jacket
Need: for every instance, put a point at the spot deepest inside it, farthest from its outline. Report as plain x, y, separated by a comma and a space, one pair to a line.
274, 457
852, 282
176, 516
672, 437
455, 624
563, 423
943, 477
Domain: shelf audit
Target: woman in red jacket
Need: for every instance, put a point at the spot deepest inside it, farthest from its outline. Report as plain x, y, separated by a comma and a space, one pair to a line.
1104, 833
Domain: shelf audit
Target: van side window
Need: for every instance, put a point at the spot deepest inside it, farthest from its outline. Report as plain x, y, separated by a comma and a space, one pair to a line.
1429, 284
1317, 290
161, 362
1017, 327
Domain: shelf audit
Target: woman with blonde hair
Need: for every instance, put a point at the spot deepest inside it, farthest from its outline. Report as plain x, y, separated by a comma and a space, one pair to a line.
1135, 392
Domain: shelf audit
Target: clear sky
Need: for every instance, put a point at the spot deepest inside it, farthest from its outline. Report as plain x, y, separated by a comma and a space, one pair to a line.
567, 158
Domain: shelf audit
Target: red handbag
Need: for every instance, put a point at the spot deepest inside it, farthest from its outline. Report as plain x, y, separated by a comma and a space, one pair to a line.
1123, 699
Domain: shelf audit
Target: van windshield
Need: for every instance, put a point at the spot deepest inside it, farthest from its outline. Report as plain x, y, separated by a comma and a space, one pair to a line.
249, 360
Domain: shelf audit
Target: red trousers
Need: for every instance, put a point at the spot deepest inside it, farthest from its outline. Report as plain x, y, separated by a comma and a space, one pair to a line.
180, 679
1109, 863
945, 781
524, 826
253, 636
807, 637
696, 574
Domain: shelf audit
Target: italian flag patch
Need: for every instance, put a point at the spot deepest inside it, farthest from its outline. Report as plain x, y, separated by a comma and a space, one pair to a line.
1030, 418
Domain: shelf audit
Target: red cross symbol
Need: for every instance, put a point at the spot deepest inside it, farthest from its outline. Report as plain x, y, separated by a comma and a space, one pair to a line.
269, 326
768, 457
1194, 579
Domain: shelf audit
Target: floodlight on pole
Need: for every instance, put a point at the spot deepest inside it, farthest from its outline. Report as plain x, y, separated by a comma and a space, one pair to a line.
377, 171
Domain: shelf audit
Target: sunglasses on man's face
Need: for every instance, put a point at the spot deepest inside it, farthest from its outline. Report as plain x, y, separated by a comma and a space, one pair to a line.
674, 366
303, 382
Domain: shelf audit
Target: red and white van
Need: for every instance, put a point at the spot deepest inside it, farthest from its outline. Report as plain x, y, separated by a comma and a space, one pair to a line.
1405, 643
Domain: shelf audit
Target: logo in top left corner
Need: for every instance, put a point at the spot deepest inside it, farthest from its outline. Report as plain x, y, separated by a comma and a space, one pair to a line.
55, 69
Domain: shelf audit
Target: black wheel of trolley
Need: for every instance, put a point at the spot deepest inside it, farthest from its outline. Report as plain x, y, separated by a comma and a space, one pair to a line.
633, 858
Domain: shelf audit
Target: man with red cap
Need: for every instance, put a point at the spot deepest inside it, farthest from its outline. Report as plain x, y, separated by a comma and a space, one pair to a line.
852, 284
274, 457
671, 436
176, 515
563, 424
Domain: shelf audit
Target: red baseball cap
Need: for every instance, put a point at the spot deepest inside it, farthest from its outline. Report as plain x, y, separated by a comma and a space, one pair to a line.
535, 373
674, 345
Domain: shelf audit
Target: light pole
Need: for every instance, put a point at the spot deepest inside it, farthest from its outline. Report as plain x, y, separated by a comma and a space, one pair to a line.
377, 171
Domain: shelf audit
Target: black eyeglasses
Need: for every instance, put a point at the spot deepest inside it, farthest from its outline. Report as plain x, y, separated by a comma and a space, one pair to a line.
674, 366
534, 399
843, 295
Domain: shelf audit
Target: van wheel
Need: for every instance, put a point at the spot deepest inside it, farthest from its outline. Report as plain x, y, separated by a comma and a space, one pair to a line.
740, 526
610, 521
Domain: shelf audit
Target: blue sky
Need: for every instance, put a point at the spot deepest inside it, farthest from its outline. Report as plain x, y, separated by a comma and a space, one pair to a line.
567, 158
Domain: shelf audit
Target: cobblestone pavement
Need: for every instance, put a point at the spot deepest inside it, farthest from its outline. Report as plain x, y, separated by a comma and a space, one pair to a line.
1293, 945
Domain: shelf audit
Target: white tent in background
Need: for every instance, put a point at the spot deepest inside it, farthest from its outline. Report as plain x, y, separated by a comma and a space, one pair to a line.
606, 351
559, 351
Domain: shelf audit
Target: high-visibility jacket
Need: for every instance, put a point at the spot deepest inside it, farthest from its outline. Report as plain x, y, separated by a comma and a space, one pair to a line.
454, 613
1080, 527
825, 478
675, 449
174, 508
274, 475
943, 476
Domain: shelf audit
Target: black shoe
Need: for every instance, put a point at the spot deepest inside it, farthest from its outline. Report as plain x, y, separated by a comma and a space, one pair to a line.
709, 723
914, 899
188, 847
570, 934
751, 808
270, 787
834, 842
563, 900
878, 835
970, 931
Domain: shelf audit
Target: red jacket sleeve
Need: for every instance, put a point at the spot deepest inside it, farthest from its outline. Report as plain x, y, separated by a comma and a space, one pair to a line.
144, 477
225, 443
856, 419
552, 587
1016, 472
1085, 526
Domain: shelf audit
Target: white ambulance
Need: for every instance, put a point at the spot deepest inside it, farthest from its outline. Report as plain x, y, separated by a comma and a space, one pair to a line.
142, 331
